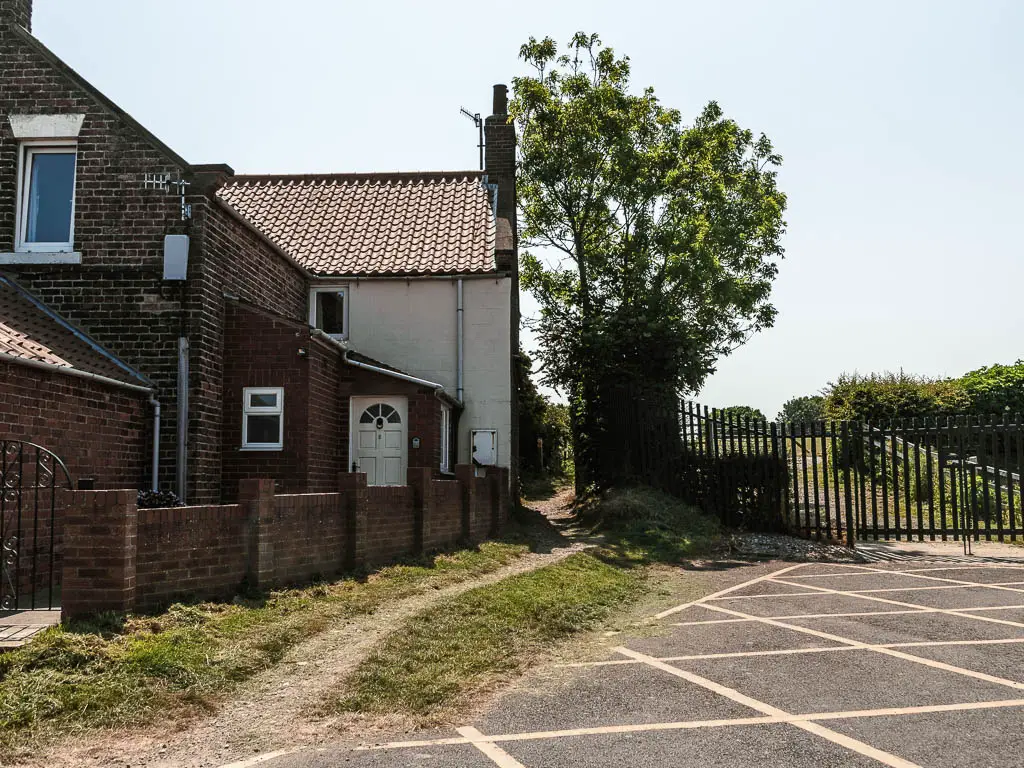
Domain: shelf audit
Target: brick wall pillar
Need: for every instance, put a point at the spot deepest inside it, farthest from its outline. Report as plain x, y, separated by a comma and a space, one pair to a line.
419, 479
352, 486
257, 497
501, 497
470, 501
100, 544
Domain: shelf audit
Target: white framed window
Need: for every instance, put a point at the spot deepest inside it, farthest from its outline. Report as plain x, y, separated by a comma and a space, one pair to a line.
263, 418
328, 310
446, 438
46, 197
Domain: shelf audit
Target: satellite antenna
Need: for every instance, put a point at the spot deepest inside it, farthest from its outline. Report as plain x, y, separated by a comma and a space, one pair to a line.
479, 123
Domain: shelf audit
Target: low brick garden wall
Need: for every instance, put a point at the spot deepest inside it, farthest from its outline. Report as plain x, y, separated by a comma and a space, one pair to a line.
120, 558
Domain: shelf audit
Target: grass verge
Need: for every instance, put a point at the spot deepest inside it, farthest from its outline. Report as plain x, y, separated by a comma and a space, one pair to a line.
445, 654
125, 670
440, 658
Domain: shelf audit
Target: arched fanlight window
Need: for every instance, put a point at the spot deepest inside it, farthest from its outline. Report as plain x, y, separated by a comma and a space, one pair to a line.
379, 415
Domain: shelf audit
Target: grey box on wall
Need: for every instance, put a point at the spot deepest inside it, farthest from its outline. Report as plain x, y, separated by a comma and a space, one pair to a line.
175, 257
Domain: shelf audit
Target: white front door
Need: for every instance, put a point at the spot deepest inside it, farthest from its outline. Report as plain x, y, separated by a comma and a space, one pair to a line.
379, 439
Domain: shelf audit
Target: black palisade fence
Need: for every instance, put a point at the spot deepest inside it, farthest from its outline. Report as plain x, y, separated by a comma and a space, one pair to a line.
907, 479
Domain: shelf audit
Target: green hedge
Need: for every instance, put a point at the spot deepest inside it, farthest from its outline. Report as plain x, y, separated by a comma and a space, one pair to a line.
891, 396
994, 389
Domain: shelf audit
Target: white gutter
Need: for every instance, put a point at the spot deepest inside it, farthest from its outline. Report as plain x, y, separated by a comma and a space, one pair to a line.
156, 442
460, 343
4, 357
438, 388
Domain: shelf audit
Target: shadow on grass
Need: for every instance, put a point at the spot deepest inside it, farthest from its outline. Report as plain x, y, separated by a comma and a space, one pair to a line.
638, 527
541, 486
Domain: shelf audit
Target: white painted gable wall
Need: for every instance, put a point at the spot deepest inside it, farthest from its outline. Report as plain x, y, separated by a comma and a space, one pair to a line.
412, 326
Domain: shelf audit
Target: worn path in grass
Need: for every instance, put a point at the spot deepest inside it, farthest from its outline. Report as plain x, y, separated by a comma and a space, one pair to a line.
280, 707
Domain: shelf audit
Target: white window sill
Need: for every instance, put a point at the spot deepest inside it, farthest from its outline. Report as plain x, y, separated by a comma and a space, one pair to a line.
261, 448
32, 257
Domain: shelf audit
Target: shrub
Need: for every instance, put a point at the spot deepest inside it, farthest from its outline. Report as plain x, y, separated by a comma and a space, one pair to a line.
893, 396
741, 412
995, 388
802, 409
158, 499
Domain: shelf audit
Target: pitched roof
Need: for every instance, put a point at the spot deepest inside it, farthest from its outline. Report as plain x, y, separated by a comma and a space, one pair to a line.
29, 330
372, 223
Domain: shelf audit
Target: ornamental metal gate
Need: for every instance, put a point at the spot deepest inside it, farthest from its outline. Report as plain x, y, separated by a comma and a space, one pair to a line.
31, 480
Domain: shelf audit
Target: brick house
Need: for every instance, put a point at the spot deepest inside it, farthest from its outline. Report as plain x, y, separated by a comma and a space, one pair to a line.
291, 327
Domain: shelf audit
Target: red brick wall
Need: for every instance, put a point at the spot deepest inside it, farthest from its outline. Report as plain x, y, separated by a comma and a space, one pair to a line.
120, 558
308, 535
99, 554
190, 552
264, 351
327, 429
117, 293
390, 523
99, 431
442, 526
228, 257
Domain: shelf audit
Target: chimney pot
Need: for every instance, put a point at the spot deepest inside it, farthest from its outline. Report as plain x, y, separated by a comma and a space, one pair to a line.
500, 99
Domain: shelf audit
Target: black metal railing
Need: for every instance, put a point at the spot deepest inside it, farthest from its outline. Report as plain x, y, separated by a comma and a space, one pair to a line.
908, 479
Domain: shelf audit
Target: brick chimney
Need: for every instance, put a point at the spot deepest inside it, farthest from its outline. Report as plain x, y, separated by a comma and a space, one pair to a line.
500, 166
17, 11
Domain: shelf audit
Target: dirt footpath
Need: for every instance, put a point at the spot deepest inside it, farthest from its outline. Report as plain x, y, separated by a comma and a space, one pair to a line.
280, 708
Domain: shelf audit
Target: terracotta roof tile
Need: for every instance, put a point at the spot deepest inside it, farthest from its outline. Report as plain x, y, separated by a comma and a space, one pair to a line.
372, 224
31, 331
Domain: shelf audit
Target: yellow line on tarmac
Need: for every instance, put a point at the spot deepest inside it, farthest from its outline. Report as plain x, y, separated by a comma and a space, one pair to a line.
854, 745
499, 756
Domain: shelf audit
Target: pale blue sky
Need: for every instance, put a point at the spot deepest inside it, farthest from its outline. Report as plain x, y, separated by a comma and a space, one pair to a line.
899, 122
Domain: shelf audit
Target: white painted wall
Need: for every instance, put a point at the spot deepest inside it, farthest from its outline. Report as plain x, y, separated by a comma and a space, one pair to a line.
412, 326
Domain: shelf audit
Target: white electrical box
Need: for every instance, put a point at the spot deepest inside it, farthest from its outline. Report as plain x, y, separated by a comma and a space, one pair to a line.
175, 257
485, 447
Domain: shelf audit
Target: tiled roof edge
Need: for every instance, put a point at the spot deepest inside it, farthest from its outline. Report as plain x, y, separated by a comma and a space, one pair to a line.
367, 176
77, 332
252, 227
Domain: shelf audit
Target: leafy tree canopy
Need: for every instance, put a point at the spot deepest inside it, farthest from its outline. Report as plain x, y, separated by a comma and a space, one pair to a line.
665, 236
743, 412
801, 410
996, 388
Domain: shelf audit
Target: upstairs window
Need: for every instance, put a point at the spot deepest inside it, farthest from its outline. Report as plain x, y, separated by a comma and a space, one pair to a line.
328, 310
263, 418
446, 439
46, 193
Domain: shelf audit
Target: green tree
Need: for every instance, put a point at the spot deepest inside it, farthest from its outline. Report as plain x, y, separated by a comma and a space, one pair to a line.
742, 412
802, 410
663, 238
996, 388
540, 418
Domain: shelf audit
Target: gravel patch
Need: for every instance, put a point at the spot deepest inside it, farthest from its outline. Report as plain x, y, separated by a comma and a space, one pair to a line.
774, 546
